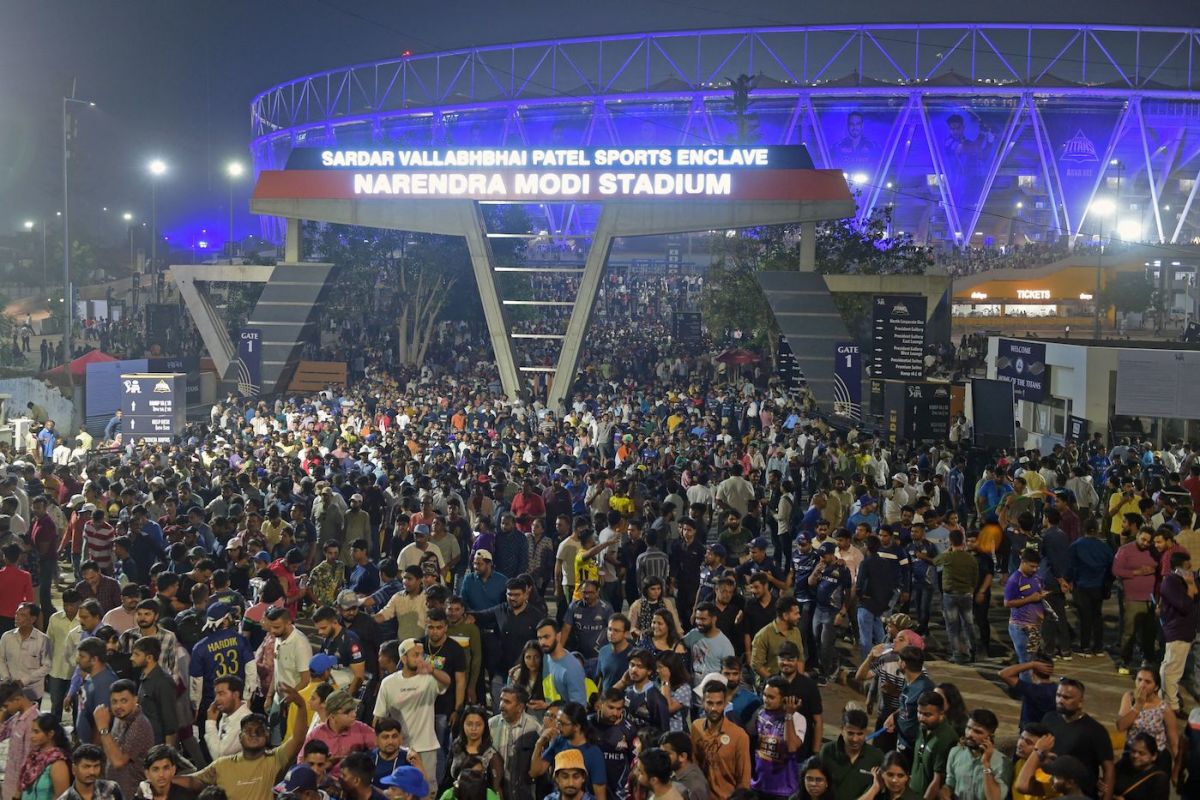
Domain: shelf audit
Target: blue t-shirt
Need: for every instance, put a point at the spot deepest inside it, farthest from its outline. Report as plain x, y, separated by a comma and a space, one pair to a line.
479, 595
567, 675
611, 665
220, 653
96, 691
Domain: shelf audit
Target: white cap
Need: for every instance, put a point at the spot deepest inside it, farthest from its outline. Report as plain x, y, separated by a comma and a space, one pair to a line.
712, 676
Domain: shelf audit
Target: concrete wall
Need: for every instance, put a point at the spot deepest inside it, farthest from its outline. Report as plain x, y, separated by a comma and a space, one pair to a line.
25, 390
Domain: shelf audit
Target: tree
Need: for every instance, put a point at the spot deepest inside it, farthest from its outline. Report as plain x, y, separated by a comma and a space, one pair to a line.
413, 279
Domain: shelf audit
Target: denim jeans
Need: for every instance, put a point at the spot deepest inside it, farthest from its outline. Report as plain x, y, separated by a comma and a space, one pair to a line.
870, 631
922, 600
1020, 636
58, 693
958, 611
825, 632
807, 611
441, 727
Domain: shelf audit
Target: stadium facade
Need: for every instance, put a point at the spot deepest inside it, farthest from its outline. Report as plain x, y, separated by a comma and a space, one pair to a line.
981, 134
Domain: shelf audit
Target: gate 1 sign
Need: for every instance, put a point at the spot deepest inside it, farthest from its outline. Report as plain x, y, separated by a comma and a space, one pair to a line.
154, 405
1023, 364
847, 380
249, 362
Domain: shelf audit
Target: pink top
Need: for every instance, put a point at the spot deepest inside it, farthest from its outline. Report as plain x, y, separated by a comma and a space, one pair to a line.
359, 736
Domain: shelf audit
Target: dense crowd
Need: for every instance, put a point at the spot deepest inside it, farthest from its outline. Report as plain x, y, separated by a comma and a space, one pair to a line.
967, 260
415, 587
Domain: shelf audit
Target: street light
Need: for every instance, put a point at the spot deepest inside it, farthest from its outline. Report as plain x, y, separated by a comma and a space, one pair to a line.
68, 311
157, 168
234, 171
1103, 208
29, 226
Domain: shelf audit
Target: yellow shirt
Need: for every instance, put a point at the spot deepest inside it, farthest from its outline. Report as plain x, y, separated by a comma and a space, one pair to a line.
586, 569
273, 532
623, 504
1119, 507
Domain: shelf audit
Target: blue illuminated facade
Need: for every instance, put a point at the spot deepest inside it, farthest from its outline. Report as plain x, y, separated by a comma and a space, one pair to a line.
980, 134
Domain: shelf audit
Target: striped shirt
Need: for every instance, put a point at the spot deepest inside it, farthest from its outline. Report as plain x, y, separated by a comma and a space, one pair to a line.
98, 541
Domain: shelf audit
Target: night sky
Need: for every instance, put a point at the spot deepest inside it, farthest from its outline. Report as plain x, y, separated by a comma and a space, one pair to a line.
174, 78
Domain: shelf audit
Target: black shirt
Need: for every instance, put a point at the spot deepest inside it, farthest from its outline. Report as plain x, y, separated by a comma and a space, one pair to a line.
806, 689
754, 619
1086, 739
450, 658
728, 624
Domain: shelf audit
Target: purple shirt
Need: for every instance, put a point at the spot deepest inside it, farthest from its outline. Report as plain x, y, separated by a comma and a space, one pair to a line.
775, 771
1020, 586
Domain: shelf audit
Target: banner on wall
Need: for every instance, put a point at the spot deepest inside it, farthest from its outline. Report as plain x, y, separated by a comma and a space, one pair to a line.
1079, 136
898, 331
1023, 364
967, 133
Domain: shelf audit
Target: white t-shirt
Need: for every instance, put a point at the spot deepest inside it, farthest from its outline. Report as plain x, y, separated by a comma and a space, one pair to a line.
410, 701
291, 658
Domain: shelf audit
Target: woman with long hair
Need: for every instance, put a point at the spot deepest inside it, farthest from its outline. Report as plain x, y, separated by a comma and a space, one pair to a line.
664, 636
46, 772
527, 673
653, 599
891, 780
816, 781
1140, 774
473, 739
676, 686
1143, 710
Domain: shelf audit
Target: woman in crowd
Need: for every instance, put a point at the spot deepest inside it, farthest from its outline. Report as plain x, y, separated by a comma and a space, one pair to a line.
1143, 710
816, 781
473, 739
527, 673
891, 780
664, 636
676, 686
46, 773
652, 600
1140, 774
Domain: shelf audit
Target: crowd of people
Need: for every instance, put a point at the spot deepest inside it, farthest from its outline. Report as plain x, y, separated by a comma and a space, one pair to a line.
414, 587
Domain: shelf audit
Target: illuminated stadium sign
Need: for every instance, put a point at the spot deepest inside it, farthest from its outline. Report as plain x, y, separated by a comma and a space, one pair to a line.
776, 173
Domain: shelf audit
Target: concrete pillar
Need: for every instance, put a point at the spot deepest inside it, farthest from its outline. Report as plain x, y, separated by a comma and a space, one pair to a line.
808, 247
474, 229
293, 240
585, 303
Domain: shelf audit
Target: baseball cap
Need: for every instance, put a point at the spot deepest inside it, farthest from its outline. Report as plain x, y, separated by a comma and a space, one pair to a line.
356, 496
486, 555
76, 501
788, 650
262, 555
197, 552
300, 778
347, 599
914, 639
759, 544
827, 549
422, 529
408, 644
322, 663
235, 543
712, 676
570, 759
219, 611
411, 780
901, 621
340, 701
294, 556
802, 538
719, 549
88, 508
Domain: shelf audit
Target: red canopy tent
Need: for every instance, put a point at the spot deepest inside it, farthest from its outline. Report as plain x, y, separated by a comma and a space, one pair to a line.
737, 356
78, 367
